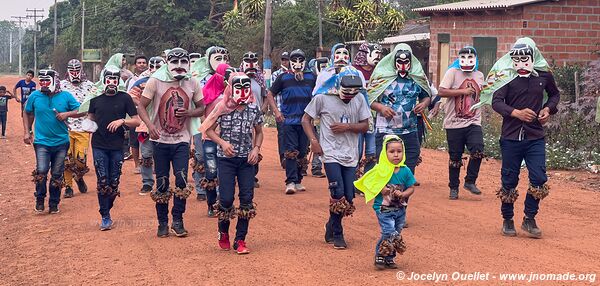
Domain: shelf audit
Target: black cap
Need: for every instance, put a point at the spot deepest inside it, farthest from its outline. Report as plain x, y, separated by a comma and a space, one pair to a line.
285, 56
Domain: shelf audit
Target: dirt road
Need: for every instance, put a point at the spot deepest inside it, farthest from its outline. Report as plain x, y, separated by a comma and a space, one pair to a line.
286, 237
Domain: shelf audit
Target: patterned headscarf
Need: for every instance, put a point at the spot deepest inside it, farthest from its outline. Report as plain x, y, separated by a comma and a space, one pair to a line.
360, 59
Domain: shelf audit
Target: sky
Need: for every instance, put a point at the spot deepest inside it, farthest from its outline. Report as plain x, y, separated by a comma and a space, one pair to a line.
18, 7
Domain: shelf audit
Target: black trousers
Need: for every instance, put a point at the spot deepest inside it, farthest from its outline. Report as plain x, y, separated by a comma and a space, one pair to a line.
472, 138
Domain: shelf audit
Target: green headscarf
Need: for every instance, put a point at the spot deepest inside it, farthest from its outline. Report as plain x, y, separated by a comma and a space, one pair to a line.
115, 61
201, 68
503, 72
374, 180
385, 73
163, 74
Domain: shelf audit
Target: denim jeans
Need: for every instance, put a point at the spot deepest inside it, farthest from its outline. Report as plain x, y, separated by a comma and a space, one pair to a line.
472, 138
367, 140
341, 185
147, 153
198, 153
211, 169
412, 148
108, 164
534, 154
229, 170
295, 140
165, 156
3, 117
50, 158
391, 224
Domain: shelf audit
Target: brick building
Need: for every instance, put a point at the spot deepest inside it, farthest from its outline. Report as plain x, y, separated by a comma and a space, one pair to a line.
566, 31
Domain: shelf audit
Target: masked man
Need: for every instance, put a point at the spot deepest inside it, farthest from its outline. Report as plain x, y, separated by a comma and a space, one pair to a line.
251, 68
295, 88
461, 86
516, 87
204, 149
366, 59
146, 149
174, 100
283, 68
109, 111
79, 140
49, 108
398, 90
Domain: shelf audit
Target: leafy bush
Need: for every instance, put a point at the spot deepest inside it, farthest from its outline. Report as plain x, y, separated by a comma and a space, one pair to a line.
565, 79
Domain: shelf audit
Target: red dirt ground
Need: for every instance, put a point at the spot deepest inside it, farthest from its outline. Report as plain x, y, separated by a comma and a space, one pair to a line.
286, 238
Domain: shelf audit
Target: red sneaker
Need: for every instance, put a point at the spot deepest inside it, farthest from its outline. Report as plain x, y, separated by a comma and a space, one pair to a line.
240, 247
224, 241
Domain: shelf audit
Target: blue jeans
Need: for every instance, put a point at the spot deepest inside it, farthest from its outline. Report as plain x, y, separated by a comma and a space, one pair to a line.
280, 140
412, 148
229, 170
50, 158
108, 164
534, 154
341, 185
3, 116
178, 156
146, 154
295, 140
367, 140
391, 224
198, 153
211, 169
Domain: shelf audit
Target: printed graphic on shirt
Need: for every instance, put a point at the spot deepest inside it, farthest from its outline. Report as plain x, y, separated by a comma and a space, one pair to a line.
462, 104
172, 99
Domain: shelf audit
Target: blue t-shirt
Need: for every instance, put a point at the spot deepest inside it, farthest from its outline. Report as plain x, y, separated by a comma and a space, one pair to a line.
295, 95
401, 95
48, 130
403, 177
26, 89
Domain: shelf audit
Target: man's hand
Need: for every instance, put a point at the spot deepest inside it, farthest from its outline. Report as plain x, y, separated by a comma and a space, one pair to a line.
253, 156
278, 116
388, 112
469, 91
435, 111
17, 99
420, 107
544, 115
153, 132
182, 112
338, 128
525, 115
62, 116
28, 138
113, 126
315, 147
228, 149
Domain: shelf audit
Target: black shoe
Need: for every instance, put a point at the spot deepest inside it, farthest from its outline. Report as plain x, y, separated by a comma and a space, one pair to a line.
53, 210
163, 230
390, 263
508, 228
145, 190
379, 263
416, 184
304, 173
68, 193
339, 243
472, 188
81, 185
178, 229
201, 197
39, 206
256, 185
328, 233
531, 228
453, 194
318, 174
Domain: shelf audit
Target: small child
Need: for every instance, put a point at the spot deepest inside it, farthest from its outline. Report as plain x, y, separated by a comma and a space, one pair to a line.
239, 139
391, 183
5, 96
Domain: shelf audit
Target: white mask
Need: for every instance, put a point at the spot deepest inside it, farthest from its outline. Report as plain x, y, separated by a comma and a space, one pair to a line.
74, 71
111, 80
341, 57
178, 62
374, 55
467, 62
241, 89
522, 59
47, 81
402, 62
217, 56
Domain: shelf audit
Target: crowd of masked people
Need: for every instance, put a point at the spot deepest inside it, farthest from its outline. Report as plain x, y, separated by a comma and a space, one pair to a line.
361, 119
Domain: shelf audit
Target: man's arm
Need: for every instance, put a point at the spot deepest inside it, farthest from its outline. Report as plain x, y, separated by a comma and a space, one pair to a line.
499, 105
257, 142
15, 93
28, 118
553, 95
447, 92
360, 127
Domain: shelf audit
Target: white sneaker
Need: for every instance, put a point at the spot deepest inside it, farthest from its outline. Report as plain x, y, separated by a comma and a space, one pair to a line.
299, 188
290, 189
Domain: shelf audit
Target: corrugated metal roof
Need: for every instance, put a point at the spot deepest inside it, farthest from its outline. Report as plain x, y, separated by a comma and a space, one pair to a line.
476, 5
410, 32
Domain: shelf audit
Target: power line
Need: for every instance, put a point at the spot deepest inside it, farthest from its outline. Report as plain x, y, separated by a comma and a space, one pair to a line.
35, 16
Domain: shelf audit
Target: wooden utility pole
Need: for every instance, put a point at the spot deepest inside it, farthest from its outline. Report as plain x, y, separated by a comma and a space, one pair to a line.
320, 28
55, 26
20, 19
267, 41
82, 27
35, 16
